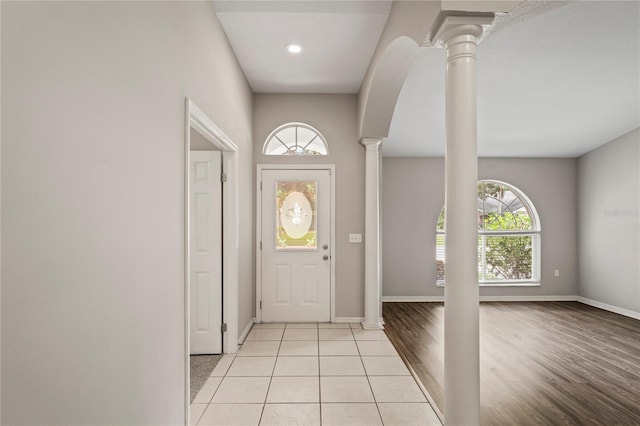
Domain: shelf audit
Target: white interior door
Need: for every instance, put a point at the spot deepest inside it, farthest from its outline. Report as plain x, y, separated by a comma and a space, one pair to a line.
206, 252
295, 255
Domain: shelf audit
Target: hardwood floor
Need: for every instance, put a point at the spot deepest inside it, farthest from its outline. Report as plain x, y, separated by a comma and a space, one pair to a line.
543, 363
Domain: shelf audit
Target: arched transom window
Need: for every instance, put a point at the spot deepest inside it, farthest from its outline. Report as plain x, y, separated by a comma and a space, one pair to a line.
295, 139
508, 237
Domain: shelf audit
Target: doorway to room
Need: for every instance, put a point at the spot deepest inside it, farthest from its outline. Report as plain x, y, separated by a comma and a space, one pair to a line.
210, 249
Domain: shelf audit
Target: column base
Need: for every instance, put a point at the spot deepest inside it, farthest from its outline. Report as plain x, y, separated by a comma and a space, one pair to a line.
372, 326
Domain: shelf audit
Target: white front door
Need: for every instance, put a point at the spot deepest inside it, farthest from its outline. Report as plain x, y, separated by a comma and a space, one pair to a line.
295, 255
206, 252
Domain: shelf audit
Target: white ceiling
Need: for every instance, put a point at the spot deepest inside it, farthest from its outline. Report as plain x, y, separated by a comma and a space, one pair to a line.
554, 85
338, 38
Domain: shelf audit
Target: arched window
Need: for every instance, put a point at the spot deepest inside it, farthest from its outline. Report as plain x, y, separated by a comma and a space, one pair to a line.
295, 139
508, 237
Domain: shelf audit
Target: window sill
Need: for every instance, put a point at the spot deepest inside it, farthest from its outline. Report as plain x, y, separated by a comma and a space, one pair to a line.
504, 284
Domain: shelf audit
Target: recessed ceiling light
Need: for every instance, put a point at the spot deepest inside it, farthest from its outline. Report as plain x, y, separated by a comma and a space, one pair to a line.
294, 48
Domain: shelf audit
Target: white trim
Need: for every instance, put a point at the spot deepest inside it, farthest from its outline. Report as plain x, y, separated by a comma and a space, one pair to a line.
441, 284
610, 308
350, 320
246, 330
332, 243
542, 298
198, 120
484, 298
508, 284
0, 224
412, 298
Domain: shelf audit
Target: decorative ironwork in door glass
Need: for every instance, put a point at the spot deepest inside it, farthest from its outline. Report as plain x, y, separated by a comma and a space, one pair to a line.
296, 225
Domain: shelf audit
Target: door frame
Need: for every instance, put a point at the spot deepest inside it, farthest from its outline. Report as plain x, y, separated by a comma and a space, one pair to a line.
332, 235
197, 120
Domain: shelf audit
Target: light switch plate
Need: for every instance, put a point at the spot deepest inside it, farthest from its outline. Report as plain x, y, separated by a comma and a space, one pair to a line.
355, 238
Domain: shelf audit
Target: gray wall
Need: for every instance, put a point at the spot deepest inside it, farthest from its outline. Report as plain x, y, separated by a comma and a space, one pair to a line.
93, 101
199, 142
609, 186
413, 195
335, 116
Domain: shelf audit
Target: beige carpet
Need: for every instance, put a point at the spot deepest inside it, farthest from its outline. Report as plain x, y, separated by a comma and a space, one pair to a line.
201, 368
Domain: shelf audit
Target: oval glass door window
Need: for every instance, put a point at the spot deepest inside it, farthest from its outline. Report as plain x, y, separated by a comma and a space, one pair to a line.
296, 227
296, 215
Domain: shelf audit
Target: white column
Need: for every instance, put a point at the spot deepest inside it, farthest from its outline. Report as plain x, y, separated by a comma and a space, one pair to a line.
459, 35
372, 312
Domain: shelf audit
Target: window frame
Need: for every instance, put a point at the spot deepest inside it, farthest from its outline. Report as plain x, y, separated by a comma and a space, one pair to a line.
536, 242
296, 125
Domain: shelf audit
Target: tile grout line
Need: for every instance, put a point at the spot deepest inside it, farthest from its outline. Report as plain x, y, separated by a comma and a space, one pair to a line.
214, 391
270, 377
274, 366
368, 381
320, 376
319, 380
201, 414
426, 393
266, 395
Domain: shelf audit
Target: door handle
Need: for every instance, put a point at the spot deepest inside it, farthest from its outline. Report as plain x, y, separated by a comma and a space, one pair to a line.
325, 247
325, 257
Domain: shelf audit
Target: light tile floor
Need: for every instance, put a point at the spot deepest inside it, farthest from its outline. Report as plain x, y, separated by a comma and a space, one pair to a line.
312, 374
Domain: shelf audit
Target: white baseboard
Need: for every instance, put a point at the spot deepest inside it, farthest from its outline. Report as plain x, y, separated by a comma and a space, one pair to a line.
413, 298
586, 301
483, 298
610, 308
353, 320
528, 298
246, 331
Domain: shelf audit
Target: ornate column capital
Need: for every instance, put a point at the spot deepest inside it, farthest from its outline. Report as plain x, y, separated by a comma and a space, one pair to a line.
371, 143
449, 26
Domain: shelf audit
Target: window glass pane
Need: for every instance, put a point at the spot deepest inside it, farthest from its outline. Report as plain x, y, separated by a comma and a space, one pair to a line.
496, 221
287, 136
305, 135
504, 257
316, 147
440, 225
296, 215
275, 147
440, 258
500, 209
